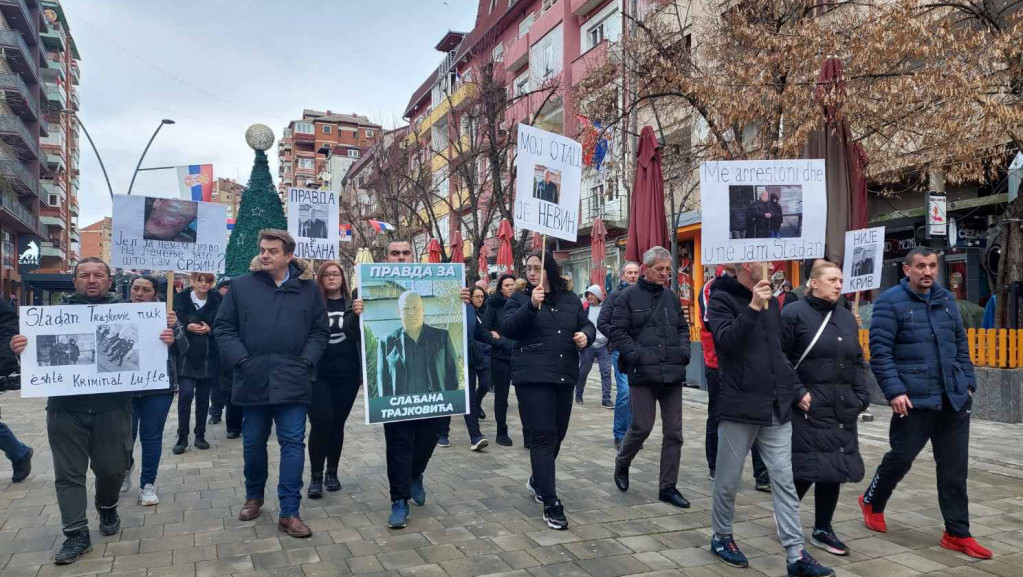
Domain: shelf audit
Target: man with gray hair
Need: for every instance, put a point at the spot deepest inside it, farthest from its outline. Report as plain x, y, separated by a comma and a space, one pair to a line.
623, 410
652, 337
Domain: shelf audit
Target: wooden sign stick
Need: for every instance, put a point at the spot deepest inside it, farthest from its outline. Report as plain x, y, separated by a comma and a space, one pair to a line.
170, 291
767, 277
543, 260
856, 309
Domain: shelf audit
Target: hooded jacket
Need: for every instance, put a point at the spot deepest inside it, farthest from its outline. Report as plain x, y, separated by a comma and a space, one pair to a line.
198, 356
651, 335
273, 336
593, 313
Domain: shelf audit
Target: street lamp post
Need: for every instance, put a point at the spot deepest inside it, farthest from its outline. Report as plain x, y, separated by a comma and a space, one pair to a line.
73, 114
144, 151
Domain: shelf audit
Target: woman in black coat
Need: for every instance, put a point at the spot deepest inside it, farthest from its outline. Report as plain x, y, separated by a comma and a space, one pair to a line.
500, 354
551, 326
831, 393
199, 358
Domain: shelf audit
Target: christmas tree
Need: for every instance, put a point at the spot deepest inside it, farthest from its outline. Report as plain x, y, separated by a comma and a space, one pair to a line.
260, 208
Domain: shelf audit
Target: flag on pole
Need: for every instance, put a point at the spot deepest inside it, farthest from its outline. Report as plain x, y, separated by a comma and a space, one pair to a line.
381, 226
346, 232
230, 224
195, 182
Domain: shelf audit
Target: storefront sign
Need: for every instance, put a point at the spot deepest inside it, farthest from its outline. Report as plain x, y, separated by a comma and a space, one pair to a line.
937, 215
895, 247
28, 253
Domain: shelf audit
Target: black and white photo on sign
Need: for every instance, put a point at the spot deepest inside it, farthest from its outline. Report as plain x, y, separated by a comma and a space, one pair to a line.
864, 254
168, 234
762, 210
312, 221
65, 350
171, 220
118, 348
549, 166
863, 260
546, 184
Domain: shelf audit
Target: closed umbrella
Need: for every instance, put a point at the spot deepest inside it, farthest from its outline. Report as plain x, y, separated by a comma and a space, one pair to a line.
597, 251
481, 262
362, 256
648, 225
504, 249
433, 251
536, 244
457, 247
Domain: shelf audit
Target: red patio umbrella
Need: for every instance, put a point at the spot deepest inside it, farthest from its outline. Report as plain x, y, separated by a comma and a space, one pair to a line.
597, 251
433, 251
648, 225
504, 250
481, 263
457, 244
536, 242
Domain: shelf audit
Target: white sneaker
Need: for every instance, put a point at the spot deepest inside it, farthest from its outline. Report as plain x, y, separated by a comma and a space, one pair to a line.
147, 496
126, 484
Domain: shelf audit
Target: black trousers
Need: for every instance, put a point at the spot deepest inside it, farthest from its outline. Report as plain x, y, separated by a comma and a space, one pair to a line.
332, 403
479, 384
500, 377
410, 445
713, 418
217, 401
545, 410
948, 431
825, 496
199, 389
233, 413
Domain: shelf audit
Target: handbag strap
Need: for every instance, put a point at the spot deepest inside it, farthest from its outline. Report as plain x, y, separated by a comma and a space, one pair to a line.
816, 337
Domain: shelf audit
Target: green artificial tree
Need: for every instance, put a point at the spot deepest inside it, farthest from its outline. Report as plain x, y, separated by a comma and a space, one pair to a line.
260, 208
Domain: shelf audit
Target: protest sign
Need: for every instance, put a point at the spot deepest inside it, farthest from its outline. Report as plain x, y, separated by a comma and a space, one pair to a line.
313, 222
414, 351
549, 174
762, 210
864, 253
91, 349
168, 234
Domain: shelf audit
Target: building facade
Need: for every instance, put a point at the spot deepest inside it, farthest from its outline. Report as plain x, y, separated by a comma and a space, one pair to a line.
96, 240
322, 142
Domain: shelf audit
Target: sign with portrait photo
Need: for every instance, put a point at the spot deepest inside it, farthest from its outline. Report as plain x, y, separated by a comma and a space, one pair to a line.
762, 210
313, 221
547, 182
168, 234
414, 346
91, 349
864, 255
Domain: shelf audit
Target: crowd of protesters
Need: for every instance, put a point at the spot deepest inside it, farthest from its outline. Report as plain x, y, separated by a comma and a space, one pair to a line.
280, 346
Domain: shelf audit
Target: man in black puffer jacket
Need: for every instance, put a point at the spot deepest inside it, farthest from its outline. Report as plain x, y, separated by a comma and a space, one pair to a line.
652, 337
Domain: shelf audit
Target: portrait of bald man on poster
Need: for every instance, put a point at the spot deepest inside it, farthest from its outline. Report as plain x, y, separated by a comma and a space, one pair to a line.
416, 359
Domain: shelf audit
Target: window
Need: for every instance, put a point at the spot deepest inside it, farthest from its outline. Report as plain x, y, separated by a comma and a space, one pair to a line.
522, 84
545, 56
287, 169
498, 53
493, 5
304, 128
606, 26
54, 200
370, 133
326, 129
526, 23
307, 163
547, 5
353, 153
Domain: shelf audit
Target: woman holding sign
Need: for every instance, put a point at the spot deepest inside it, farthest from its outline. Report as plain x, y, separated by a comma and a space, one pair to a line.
820, 338
551, 326
199, 358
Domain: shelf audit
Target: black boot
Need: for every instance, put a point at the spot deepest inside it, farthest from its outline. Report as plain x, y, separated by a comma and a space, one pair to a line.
22, 467
77, 544
181, 445
200, 442
315, 486
331, 481
109, 522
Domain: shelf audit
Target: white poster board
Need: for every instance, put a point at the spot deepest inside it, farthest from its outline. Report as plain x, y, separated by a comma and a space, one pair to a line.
168, 234
763, 210
91, 349
864, 254
313, 220
548, 178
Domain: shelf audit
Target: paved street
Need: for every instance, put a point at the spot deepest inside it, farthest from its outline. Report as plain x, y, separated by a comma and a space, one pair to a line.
479, 520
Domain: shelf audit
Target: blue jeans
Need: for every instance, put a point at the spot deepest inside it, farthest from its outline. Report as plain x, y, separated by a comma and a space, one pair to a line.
603, 358
290, 422
148, 417
10, 445
623, 408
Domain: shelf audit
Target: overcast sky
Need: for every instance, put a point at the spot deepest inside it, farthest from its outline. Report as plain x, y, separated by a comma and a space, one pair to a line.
218, 66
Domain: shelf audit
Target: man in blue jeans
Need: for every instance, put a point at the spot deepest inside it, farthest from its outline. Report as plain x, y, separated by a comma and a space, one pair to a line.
272, 328
19, 454
623, 409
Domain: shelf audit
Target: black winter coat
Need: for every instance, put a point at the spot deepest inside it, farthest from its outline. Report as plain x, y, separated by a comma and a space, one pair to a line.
604, 318
546, 352
198, 356
824, 443
8, 328
757, 381
272, 336
651, 335
492, 317
481, 342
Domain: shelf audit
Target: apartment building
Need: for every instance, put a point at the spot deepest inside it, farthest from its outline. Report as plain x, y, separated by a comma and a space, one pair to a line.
96, 240
228, 192
322, 142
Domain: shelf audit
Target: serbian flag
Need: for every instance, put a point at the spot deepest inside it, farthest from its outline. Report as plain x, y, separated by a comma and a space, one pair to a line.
381, 226
230, 224
346, 232
195, 182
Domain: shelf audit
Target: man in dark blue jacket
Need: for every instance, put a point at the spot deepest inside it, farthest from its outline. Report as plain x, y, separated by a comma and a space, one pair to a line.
272, 329
919, 354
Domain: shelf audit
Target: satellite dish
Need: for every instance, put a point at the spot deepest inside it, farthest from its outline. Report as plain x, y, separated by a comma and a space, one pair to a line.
325, 176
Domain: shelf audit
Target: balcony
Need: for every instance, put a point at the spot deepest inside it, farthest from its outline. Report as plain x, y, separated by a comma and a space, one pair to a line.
304, 137
50, 187
75, 237
442, 108
76, 187
25, 220
19, 17
53, 39
55, 162
55, 97
26, 183
14, 132
18, 96
54, 221
546, 22
591, 60
613, 211
73, 206
584, 7
51, 249
18, 55
55, 69
74, 98
76, 73
517, 55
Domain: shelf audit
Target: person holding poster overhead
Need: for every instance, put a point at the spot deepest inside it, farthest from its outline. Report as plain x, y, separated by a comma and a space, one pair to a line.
821, 340
757, 392
88, 431
551, 327
199, 358
272, 329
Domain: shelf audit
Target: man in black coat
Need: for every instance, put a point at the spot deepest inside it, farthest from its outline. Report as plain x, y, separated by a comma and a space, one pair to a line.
651, 334
272, 329
417, 358
757, 390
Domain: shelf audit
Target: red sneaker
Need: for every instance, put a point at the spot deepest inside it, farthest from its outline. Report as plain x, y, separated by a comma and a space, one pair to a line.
965, 545
873, 521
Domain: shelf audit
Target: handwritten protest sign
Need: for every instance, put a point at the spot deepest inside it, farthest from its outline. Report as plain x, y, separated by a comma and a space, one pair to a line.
762, 210
549, 175
413, 341
168, 234
90, 349
313, 221
864, 253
